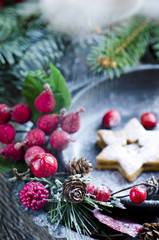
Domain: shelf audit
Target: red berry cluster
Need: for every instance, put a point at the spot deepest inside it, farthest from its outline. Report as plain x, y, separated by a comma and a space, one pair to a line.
58, 127
102, 193
112, 118
34, 195
20, 113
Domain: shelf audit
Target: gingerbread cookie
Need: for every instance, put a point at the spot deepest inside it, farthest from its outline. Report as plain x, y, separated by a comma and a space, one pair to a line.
131, 150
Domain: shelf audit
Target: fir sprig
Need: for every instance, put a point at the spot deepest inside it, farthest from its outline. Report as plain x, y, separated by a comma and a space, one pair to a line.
155, 38
72, 215
121, 48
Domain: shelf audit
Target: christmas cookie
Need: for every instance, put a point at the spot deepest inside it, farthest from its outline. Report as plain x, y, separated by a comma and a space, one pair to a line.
131, 150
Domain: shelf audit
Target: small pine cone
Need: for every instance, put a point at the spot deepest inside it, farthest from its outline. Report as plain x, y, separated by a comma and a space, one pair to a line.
74, 190
152, 190
150, 231
80, 166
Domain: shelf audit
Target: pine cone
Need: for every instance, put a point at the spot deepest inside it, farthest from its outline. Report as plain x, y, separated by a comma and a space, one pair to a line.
80, 166
150, 231
152, 190
74, 190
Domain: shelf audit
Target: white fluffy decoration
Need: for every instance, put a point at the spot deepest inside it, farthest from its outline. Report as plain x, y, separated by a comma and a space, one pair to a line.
80, 17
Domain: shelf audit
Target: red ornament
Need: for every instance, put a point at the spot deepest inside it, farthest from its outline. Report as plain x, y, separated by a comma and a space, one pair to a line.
148, 120
111, 119
102, 193
138, 194
44, 165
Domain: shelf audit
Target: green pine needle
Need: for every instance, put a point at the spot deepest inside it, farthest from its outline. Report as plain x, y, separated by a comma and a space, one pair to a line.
121, 49
155, 38
77, 216
39, 55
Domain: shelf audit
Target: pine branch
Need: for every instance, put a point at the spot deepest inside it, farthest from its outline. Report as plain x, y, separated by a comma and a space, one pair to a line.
121, 48
155, 39
39, 55
9, 82
9, 24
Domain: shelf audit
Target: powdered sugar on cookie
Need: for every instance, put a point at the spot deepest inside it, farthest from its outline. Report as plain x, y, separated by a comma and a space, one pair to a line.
131, 150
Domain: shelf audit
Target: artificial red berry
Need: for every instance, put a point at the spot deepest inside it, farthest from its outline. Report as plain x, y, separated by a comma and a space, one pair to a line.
102, 193
44, 165
45, 102
60, 140
35, 137
21, 113
90, 189
11, 153
111, 119
71, 122
48, 122
5, 115
7, 133
31, 153
34, 195
138, 194
148, 120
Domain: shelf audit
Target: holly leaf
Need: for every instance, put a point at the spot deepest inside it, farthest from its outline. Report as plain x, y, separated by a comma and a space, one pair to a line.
121, 225
33, 86
7, 166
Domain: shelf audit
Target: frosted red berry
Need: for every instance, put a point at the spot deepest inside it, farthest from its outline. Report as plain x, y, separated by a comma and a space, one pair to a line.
21, 113
5, 115
45, 102
138, 194
102, 193
60, 140
35, 137
34, 195
48, 122
31, 153
111, 119
71, 122
7, 133
148, 120
90, 189
44, 165
11, 153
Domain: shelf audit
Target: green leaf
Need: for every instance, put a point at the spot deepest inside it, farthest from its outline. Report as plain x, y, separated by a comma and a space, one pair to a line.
7, 166
33, 86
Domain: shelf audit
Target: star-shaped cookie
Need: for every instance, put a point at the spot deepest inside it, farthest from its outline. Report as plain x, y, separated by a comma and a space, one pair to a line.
131, 150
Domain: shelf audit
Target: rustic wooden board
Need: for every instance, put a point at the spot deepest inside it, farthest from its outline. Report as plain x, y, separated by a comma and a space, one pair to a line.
15, 225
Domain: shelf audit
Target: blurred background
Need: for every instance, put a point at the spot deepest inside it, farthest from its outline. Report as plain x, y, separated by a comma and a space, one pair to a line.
85, 39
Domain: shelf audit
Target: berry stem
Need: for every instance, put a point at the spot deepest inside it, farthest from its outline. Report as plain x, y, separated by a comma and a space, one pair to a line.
47, 88
20, 176
80, 110
124, 189
20, 144
62, 114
